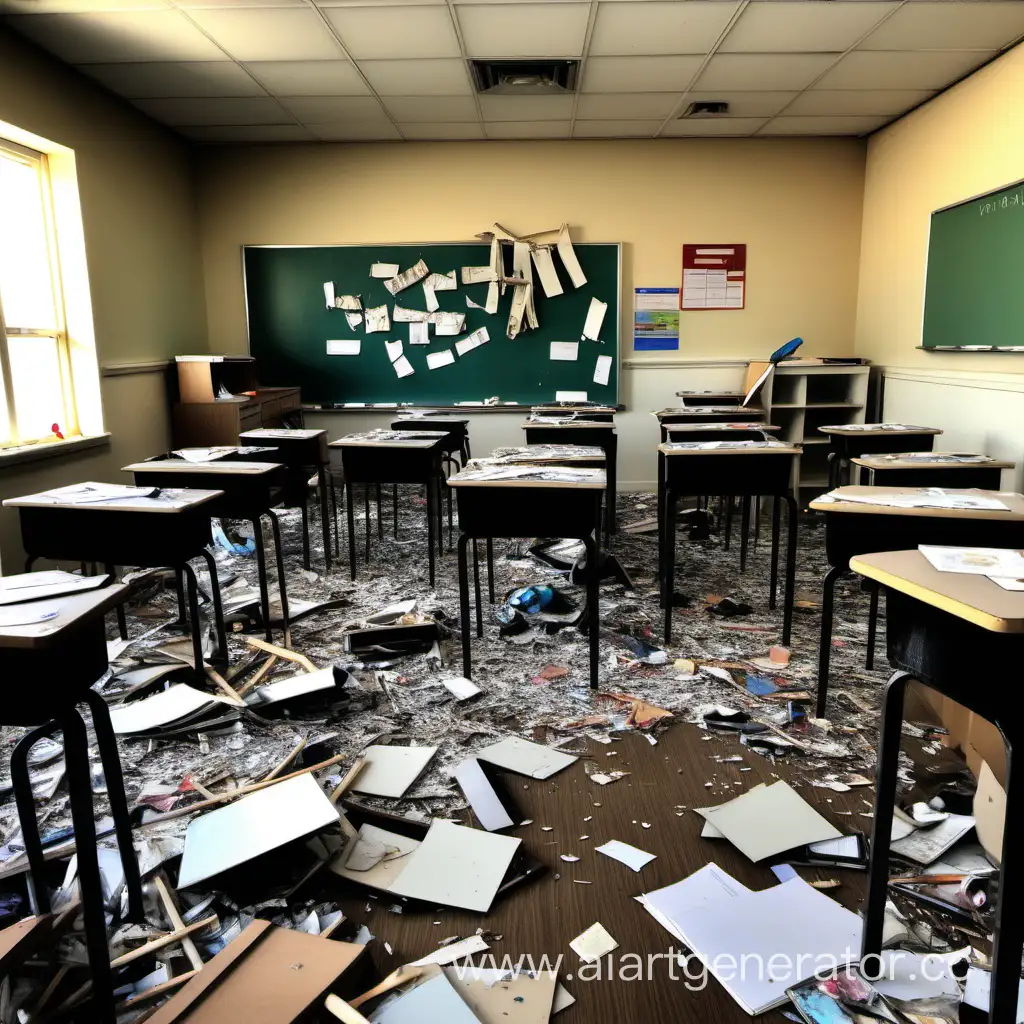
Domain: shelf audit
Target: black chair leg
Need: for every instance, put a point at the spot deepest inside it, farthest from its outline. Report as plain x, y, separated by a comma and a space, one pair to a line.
593, 611
282, 585
122, 624
394, 509
490, 570
727, 501
380, 522
337, 521
790, 582
366, 513
179, 582
221, 654
261, 572
476, 591
107, 743
39, 893
464, 606
776, 530
351, 530
869, 661
192, 589
744, 530
668, 589
305, 534
828, 587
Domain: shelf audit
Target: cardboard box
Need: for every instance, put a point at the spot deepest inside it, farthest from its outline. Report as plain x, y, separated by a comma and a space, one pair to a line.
267, 975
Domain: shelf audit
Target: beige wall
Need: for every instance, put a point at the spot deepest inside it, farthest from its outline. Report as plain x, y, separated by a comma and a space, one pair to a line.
141, 244
965, 142
796, 203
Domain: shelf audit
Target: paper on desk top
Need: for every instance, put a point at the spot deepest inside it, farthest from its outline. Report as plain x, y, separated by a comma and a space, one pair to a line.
31, 586
1002, 562
931, 497
94, 493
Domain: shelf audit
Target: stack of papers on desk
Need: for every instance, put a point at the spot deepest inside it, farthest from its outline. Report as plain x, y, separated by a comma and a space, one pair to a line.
1004, 566
31, 586
932, 497
93, 493
756, 944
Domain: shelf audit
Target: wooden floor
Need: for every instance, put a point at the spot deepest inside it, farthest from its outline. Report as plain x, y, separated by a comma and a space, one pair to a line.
543, 916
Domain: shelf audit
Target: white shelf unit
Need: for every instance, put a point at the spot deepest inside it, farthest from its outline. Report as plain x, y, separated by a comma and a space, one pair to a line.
803, 395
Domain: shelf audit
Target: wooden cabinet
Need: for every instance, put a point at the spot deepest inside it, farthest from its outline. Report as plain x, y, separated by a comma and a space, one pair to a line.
203, 424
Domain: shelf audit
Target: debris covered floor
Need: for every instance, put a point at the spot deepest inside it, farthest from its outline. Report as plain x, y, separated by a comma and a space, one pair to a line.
534, 685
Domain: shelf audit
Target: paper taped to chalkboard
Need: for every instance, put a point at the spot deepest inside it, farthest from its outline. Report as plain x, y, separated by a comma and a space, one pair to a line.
394, 349
564, 351
403, 367
570, 396
602, 370
383, 270
435, 360
418, 333
595, 320
377, 320
344, 347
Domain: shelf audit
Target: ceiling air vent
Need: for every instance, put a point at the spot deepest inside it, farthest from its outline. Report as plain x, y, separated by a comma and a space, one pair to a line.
714, 108
524, 77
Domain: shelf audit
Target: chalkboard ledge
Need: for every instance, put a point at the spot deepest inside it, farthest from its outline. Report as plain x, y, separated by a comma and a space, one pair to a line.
971, 348
521, 409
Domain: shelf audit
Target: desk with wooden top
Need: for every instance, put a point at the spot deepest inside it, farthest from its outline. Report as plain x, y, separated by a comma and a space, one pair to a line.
597, 413
249, 491
593, 433
751, 468
854, 527
529, 501
168, 529
301, 450
850, 440
933, 469
961, 635
393, 457
706, 414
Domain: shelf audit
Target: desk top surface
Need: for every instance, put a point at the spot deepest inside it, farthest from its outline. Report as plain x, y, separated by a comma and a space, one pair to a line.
178, 499
711, 428
72, 610
531, 476
725, 411
550, 410
439, 418
283, 433
414, 439
728, 448
566, 424
877, 429
218, 468
931, 460
533, 454
967, 596
845, 499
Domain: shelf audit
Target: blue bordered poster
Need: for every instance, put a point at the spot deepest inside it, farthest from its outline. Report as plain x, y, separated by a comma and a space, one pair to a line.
655, 319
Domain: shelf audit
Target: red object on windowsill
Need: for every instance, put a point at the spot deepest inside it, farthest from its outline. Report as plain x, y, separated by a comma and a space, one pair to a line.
55, 427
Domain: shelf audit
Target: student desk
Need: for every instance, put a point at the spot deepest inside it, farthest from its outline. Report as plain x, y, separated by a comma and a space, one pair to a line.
169, 529
249, 491
62, 658
929, 469
959, 634
533, 502
853, 528
592, 433
706, 414
849, 440
596, 413
762, 468
301, 451
393, 457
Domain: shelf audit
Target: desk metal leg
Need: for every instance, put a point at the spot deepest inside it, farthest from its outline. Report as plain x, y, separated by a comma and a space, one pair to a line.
744, 530
490, 569
757, 520
869, 661
776, 530
366, 514
281, 584
476, 592
437, 484
192, 589
828, 587
613, 482
179, 580
38, 891
885, 797
727, 505
218, 608
122, 625
790, 584
669, 562
661, 511
380, 521
593, 611
79, 780
430, 528
107, 742
305, 534
351, 529
394, 510
261, 571
337, 521
1009, 928
833, 470
325, 515
467, 667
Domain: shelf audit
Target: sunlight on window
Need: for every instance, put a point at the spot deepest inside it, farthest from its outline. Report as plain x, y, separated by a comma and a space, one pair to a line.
38, 394
26, 285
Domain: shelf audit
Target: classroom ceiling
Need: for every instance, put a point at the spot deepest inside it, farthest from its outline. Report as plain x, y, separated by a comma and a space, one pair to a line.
352, 70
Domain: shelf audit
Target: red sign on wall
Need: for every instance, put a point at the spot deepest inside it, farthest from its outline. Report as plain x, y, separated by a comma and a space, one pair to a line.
714, 277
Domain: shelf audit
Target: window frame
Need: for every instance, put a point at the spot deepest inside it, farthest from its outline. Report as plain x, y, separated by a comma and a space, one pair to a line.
59, 333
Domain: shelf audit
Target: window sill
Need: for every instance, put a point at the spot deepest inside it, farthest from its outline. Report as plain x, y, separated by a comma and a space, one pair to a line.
50, 450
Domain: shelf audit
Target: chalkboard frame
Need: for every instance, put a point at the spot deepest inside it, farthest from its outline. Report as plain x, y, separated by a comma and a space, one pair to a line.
496, 323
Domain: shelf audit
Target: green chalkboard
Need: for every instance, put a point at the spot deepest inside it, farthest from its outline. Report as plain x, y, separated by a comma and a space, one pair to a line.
290, 325
974, 290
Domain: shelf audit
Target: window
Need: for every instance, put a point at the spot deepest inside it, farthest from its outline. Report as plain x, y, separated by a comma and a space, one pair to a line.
35, 368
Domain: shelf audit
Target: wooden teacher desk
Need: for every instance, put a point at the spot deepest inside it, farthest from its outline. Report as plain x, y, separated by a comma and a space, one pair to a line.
933, 469
961, 635
854, 527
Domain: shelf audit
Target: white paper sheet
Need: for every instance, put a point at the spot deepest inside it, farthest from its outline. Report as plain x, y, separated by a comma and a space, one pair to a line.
171, 705
435, 360
500, 996
383, 270
403, 368
566, 351
394, 349
403, 315
344, 347
925, 845
478, 275
593, 944
329, 294
533, 759
480, 794
546, 271
602, 370
568, 257
471, 341
297, 686
706, 887
391, 770
1004, 562
445, 282
461, 687
626, 854
449, 324
932, 497
595, 320
570, 396
517, 313
407, 278
433, 1000
377, 320
419, 333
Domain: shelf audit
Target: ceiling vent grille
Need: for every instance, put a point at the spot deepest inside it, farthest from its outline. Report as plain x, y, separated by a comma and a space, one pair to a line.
524, 77
715, 108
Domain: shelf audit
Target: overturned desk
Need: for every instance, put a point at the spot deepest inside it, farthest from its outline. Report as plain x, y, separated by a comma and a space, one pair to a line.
529, 501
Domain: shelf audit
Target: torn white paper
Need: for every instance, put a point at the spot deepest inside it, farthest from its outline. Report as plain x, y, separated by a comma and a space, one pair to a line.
403, 367
383, 270
435, 360
626, 854
570, 396
471, 341
394, 349
344, 347
533, 759
401, 315
419, 333
566, 351
329, 294
470, 304
593, 944
449, 324
521, 267
595, 319
520, 301
377, 320
430, 297
478, 275
444, 282
461, 687
407, 278
546, 271
568, 256
602, 370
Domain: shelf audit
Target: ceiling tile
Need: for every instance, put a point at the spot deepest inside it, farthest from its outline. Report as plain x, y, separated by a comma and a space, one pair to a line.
626, 104
269, 33
744, 104
639, 74
125, 36
196, 78
432, 109
449, 130
325, 109
777, 71
865, 69
379, 3
248, 133
950, 26
179, 111
523, 29
528, 129
823, 125
79, 6
858, 101
810, 26
438, 77
615, 129
680, 26
191, 4
526, 108
695, 127
355, 131
309, 77
395, 31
